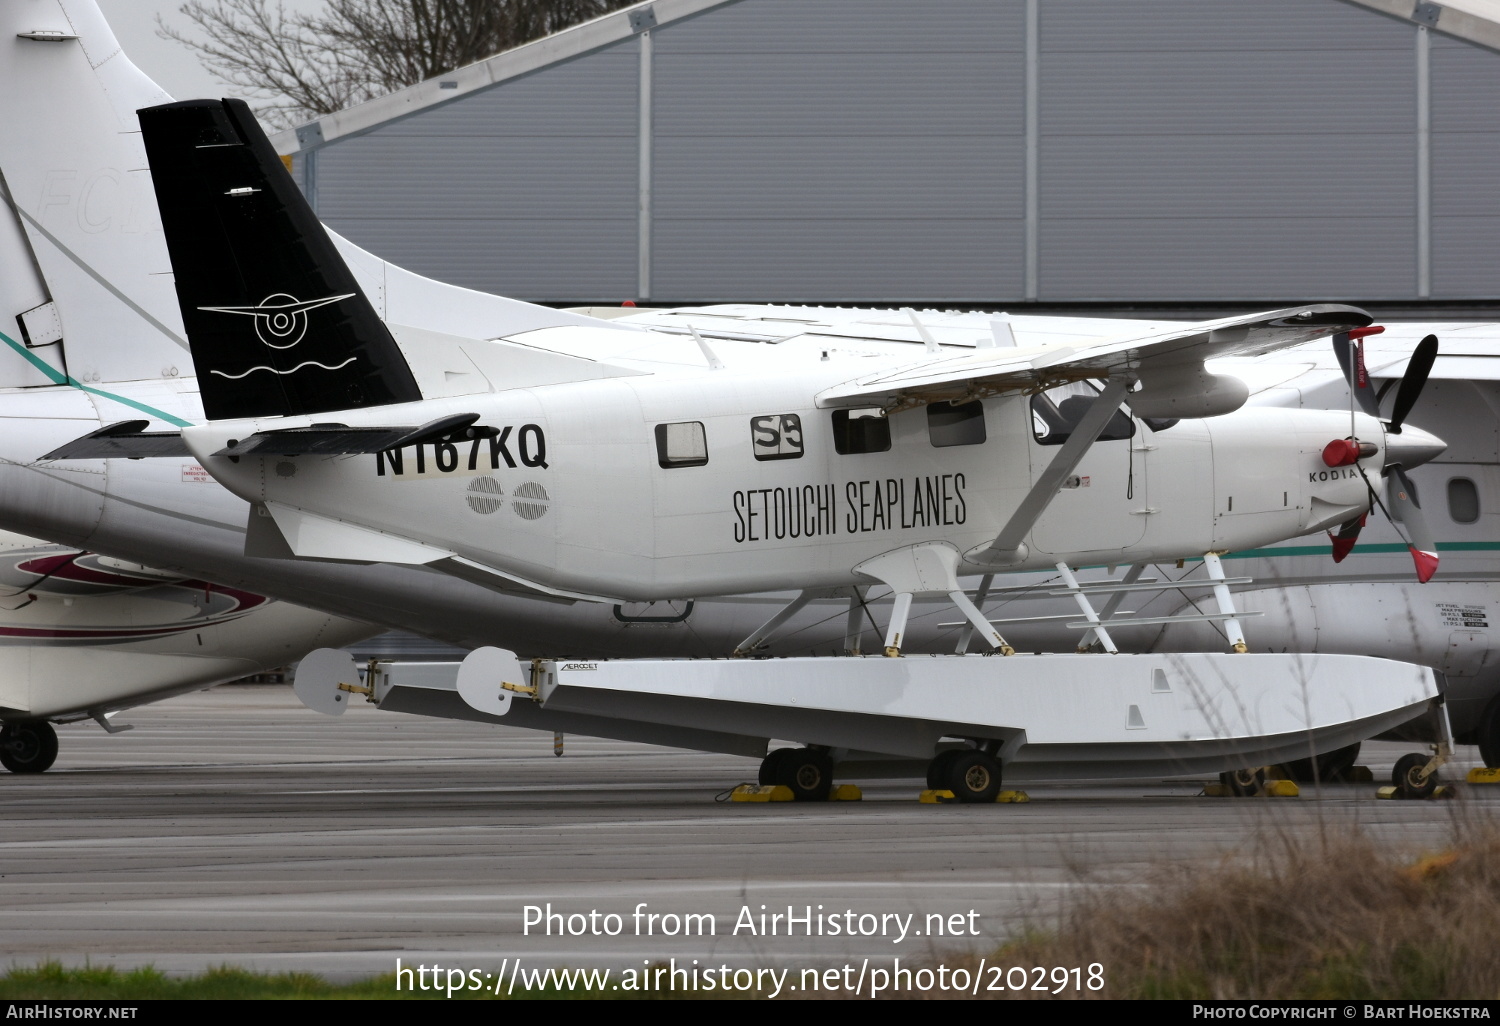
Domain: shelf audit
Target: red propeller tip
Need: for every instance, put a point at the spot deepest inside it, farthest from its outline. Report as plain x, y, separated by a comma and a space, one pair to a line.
1341, 546
1427, 563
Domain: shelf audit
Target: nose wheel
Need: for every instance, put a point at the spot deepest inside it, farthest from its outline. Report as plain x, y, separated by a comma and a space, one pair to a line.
1412, 777
28, 746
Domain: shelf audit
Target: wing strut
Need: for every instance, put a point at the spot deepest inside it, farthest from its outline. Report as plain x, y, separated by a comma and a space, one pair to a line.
1006, 548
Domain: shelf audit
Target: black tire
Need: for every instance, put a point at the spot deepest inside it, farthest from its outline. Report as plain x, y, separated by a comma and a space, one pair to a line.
28, 746
808, 772
973, 777
937, 769
770, 765
1488, 734
1407, 777
1328, 766
1244, 783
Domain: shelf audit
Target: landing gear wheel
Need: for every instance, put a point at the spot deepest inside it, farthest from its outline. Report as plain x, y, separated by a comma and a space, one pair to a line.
1489, 734
771, 765
1244, 783
29, 746
808, 772
1407, 776
937, 769
1328, 766
973, 776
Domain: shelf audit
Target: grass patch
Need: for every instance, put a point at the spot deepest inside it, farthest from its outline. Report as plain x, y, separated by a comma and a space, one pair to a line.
1340, 918
52, 980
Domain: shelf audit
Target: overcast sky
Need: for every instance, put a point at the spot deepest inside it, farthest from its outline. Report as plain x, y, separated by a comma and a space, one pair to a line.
171, 64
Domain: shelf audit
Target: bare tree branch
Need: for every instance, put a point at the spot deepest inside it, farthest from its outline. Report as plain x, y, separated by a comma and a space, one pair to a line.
299, 66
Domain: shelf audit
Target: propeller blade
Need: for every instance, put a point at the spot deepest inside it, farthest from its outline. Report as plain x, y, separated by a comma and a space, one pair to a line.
1405, 506
1413, 381
1343, 542
1343, 348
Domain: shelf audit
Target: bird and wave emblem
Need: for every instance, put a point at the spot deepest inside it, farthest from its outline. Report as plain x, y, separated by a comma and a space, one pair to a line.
280, 323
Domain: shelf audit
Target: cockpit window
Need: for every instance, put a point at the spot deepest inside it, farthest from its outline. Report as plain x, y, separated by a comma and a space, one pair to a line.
1057, 411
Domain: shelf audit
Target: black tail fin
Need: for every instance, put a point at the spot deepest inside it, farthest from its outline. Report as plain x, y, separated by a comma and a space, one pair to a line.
277, 324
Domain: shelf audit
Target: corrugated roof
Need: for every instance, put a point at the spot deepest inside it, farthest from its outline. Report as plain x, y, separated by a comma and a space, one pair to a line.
523, 60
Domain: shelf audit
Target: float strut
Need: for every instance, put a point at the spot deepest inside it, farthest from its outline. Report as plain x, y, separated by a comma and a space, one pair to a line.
853, 628
967, 634
1087, 607
1226, 602
897, 627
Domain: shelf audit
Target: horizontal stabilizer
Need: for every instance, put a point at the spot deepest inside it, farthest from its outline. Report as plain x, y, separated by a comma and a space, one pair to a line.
342, 440
125, 439
1165, 354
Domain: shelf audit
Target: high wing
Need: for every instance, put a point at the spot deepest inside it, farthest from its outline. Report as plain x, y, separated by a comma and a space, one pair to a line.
1169, 365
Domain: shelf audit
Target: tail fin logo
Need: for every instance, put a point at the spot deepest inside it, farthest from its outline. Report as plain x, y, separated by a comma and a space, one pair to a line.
280, 319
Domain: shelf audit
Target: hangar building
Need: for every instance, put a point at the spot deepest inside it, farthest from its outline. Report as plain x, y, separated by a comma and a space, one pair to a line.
946, 151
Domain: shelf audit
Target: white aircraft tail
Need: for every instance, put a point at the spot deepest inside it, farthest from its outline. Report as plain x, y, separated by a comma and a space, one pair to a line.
86, 286
84, 283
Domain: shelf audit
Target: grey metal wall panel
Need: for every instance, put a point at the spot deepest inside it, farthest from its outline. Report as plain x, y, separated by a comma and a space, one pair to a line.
839, 149
1201, 177
1226, 26
1225, 150
530, 258
835, 177
479, 178
849, 26
886, 95
528, 189
868, 260
1465, 170
1223, 94
1251, 259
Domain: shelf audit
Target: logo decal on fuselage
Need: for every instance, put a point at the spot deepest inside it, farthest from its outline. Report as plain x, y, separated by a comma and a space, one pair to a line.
280, 319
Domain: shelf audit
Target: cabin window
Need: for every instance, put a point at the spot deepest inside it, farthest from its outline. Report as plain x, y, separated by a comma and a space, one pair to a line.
1057, 411
1463, 500
777, 437
955, 425
863, 430
681, 445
